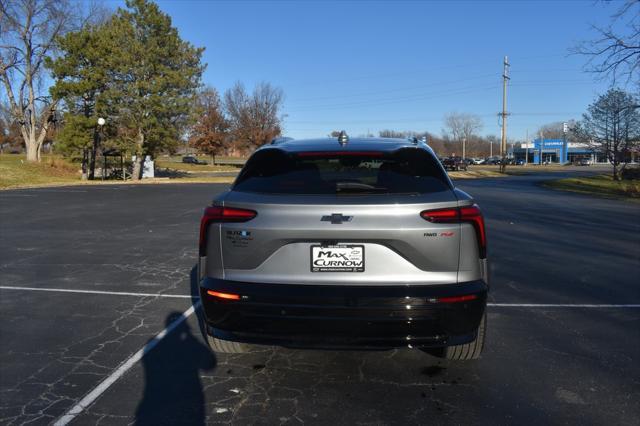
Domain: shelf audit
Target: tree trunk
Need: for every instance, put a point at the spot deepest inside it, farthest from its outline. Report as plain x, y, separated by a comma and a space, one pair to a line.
85, 154
137, 164
32, 143
31, 146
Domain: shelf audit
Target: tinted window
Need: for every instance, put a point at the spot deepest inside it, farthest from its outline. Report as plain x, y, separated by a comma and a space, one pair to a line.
405, 171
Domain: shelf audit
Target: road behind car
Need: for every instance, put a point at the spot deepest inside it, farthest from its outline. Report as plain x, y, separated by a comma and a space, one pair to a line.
543, 364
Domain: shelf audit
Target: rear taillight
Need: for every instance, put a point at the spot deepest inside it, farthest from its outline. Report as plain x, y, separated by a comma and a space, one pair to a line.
469, 214
455, 299
473, 215
218, 214
442, 215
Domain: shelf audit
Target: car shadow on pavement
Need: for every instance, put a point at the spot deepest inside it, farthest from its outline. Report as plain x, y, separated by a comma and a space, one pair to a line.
173, 392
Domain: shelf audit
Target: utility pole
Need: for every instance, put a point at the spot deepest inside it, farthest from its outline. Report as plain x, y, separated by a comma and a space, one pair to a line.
526, 158
503, 144
565, 146
541, 147
464, 148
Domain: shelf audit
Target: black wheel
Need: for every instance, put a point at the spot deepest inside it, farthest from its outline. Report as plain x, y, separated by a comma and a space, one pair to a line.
225, 346
466, 352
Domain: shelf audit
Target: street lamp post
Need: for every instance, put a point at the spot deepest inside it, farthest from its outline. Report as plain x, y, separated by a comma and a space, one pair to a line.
101, 122
94, 148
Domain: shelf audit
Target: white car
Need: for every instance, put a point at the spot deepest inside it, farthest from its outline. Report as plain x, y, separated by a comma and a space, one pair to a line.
586, 162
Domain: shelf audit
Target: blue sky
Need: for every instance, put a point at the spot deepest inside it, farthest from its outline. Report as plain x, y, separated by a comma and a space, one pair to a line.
365, 66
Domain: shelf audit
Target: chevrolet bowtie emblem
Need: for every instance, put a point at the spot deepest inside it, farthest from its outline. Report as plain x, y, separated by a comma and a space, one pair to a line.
336, 218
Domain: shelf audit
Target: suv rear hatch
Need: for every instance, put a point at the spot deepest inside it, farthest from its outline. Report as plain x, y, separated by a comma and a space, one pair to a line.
346, 217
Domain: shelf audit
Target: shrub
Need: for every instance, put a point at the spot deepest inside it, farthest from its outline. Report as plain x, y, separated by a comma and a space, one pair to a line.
631, 173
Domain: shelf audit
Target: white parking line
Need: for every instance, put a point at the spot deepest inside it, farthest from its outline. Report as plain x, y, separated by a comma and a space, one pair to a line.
112, 293
185, 296
123, 368
91, 397
563, 305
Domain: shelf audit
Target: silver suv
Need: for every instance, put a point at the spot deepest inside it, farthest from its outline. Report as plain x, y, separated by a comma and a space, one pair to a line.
337, 243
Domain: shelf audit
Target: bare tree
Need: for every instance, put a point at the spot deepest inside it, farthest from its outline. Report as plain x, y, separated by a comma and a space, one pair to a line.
462, 125
612, 126
4, 131
615, 52
28, 32
387, 133
555, 130
254, 118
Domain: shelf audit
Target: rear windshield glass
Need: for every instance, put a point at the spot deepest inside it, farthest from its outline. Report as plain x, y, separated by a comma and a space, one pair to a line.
405, 171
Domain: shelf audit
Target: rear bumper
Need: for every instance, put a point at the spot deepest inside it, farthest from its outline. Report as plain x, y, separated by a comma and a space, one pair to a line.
364, 317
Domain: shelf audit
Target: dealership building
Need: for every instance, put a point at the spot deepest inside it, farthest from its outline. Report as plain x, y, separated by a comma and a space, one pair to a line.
555, 151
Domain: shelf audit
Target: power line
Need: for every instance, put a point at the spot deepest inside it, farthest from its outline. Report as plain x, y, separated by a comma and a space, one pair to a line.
393, 100
413, 71
394, 90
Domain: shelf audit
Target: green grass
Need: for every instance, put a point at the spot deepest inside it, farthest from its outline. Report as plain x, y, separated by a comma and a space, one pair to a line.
175, 163
602, 185
473, 172
16, 172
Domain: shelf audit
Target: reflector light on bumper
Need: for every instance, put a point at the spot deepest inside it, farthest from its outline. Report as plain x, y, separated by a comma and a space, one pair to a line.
220, 295
454, 299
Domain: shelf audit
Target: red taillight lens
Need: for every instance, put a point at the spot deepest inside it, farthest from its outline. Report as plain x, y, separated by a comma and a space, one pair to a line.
441, 216
221, 214
340, 154
473, 215
456, 299
470, 214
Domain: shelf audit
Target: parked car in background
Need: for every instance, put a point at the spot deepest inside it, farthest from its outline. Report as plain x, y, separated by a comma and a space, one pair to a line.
454, 163
477, 161
190, 159
586, 162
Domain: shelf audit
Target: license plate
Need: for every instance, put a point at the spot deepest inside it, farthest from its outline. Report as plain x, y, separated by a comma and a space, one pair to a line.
338, 258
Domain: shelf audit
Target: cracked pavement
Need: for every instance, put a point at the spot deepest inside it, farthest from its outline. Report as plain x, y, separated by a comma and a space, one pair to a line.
541, 365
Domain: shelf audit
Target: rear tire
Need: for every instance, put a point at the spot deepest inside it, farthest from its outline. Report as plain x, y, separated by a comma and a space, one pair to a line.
468, 351
225, 346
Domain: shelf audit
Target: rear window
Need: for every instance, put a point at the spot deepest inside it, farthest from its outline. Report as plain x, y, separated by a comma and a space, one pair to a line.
405, 171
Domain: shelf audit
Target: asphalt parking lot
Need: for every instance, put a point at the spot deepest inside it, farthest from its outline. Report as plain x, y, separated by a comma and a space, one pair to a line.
90, 275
